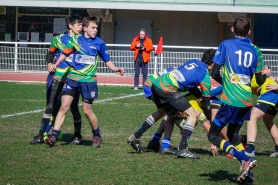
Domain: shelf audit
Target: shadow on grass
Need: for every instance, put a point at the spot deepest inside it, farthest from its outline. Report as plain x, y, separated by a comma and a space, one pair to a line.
68, 137
220, 176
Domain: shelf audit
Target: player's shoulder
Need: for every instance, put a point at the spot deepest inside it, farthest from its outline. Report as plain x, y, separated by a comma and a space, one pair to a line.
99, 40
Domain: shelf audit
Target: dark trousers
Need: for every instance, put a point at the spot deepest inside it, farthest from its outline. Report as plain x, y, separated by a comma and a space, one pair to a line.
137, 66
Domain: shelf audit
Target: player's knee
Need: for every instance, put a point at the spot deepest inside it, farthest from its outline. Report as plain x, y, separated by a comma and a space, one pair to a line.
234, 138
212, 137
87, 112
49, 109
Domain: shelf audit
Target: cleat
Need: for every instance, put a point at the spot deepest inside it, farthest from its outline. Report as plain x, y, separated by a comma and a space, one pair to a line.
275, 154
185, 153
135, 143
96, 141
76, 140
50, 141
244, 168
60, 136
249, 180
154, 147
229, 156
45, 136
37, 140
167, 151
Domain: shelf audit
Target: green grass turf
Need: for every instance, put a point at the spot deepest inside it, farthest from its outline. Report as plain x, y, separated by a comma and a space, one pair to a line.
115, 162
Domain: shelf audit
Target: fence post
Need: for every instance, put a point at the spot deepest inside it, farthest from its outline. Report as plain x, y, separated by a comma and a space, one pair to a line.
155, 61
161, 61
15, 57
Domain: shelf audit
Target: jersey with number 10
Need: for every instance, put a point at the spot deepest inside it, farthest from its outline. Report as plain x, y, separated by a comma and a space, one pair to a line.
192, 73
86, 52
240, 62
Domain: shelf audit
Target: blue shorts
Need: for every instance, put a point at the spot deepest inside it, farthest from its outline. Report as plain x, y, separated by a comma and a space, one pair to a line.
148, 92
234, 115
49, 82
270, 98
88, 90
215, 102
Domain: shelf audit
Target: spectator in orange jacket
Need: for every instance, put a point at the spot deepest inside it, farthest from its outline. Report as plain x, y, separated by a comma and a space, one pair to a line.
142, 46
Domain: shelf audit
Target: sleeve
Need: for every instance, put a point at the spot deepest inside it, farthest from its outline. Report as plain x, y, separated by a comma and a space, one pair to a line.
260, 64
149, 46
217, 91
219, 57
53, 45
69, 48
206, 86
215, 73
103, 53
133, 45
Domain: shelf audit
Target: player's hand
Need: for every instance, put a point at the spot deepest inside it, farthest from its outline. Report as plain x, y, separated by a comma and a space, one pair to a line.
51, 68
213, 149
200, 100
120, 71
272, 87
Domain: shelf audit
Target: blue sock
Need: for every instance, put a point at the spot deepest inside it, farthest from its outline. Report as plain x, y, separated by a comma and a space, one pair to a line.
229, 148
166, 143
96, 132
276, 148
156, 138
55, 133
250, 147
240, 155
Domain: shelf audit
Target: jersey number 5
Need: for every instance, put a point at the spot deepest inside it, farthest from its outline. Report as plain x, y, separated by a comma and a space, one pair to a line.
190, 66
246, 62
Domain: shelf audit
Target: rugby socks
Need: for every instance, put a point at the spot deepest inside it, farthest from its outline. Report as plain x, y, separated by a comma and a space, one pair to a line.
166, 143
250, 147
243, 139
276, 148
229, 148
50, 124
239, 147
156, 138
44, 123
187, 131
96, 132
145, 126
77, 128
55, 133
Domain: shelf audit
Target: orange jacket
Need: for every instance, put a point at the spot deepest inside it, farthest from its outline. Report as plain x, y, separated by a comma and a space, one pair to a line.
148, 44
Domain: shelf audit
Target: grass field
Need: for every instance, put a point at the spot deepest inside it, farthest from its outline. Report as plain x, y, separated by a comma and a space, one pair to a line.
119, 115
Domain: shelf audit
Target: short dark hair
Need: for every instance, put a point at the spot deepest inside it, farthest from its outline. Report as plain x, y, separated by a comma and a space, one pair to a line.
144, 30
241, 26
207, 56
86, 20
73, 19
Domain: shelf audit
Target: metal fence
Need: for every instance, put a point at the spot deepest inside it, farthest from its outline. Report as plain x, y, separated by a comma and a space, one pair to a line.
31, 58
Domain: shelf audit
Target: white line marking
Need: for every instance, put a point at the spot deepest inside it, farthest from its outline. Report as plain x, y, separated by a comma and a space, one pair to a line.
97, 101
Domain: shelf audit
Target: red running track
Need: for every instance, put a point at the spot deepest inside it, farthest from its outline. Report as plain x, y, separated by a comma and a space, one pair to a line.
41, 77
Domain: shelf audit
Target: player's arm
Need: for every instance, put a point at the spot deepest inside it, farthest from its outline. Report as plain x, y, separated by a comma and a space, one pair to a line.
259, 75
50, 56
205, 88
149, 46
69, 49
103, 53
133, 45
219, 60
215, 73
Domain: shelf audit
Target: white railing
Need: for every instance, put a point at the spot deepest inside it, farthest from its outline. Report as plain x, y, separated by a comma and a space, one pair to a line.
31, 58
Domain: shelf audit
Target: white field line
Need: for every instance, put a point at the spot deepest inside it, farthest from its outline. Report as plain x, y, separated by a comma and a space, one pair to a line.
97, 101
19, 81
